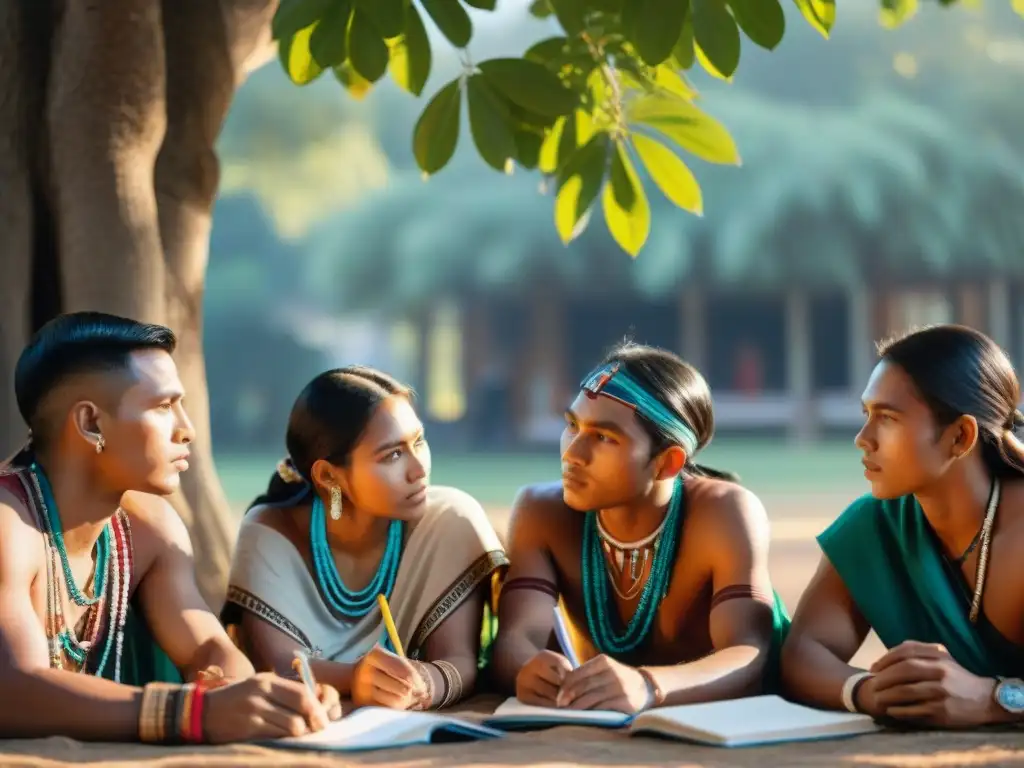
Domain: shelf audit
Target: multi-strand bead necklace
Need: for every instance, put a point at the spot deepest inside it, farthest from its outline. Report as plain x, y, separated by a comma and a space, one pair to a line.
107, 609
596, 574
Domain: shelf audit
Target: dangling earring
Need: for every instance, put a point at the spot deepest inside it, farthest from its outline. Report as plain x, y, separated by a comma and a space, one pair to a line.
335, 503
100, 444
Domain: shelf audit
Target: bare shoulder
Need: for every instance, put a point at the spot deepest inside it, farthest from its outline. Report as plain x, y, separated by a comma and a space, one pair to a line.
154, 518
726, 512
1013, 501
538, 511
20, 540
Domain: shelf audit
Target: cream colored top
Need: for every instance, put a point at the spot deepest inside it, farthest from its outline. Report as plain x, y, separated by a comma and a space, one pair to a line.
447, 553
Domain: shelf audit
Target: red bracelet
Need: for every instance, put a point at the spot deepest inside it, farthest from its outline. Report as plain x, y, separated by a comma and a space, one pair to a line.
196, 716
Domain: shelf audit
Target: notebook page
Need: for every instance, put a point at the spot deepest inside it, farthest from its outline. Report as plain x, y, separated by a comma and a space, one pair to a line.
752, 720
514, 710
368, 728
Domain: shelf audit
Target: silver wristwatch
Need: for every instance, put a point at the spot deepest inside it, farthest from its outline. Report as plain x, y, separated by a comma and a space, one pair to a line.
1009, 695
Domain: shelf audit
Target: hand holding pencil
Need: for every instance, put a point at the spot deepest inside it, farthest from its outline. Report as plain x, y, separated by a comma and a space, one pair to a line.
386, 679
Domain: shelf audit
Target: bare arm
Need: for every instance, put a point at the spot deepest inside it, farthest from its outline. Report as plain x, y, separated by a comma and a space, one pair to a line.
827, 631
457, 641
90, 707
737, 535
180, 620
525, 616
273, 650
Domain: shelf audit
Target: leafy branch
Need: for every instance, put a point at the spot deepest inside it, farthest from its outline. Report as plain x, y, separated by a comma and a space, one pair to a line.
583, 107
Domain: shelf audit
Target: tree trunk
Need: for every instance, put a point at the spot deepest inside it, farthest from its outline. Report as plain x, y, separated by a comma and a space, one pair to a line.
17, 103
201, 83
109, 112
106, 119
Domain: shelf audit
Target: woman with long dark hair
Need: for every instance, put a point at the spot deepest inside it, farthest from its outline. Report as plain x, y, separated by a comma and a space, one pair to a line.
351, 515
930, 558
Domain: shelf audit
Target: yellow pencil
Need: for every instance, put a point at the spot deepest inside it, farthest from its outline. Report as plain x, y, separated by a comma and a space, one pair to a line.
389, 624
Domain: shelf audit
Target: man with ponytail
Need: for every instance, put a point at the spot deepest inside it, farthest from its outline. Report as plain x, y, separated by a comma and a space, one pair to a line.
661, 565
100, 615
930, 559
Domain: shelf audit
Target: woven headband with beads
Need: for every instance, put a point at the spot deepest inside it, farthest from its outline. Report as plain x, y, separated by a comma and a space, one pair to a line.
613, 381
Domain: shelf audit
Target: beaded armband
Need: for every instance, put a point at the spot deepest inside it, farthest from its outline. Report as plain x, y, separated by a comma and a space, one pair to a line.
171, 714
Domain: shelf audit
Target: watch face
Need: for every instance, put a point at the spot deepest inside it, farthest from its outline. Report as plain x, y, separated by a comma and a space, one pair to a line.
1010, 695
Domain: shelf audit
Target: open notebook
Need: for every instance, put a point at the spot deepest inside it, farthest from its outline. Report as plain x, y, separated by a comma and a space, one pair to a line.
732, 723
380, 728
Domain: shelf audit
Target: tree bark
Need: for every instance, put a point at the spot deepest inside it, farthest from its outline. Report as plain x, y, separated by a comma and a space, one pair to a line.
106, 119
201, 84
17, 102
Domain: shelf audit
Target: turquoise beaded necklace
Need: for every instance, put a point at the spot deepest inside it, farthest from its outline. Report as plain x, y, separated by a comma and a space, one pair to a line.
596, 598
99, 577
64, 639
352, 605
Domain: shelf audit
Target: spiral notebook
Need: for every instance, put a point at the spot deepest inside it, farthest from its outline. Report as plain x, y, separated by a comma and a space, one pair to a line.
732, 723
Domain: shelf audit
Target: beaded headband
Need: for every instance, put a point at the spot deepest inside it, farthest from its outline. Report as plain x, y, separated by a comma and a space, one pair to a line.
614, 382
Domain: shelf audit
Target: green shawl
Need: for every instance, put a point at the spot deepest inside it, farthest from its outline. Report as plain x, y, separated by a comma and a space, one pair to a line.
889, 559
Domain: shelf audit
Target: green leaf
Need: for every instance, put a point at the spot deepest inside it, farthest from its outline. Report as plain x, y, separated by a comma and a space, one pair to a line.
820, 14
894, 12
653, 26
567, 134
451, 18
483, 5
578, 186
411, 55
1018, 7
292, 16
667, 78
296, 58
550, 49
489, 124
526, 118
530, 85
670, 173
540, 9
528, 144
682, 51
328, 43
367, 52
625, 205
570, 14
437, 131
549, 160
717, 37
693, 130
356, 85
388, 16
653, 79
761, 20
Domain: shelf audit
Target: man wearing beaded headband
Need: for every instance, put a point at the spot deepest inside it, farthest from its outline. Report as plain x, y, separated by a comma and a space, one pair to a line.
930, 559
99, 609
664, 574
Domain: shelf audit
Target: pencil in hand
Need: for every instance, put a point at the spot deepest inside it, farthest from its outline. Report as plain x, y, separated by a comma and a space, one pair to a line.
389, 624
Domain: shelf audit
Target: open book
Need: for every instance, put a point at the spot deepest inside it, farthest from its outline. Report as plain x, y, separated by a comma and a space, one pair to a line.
381, 728
732, 723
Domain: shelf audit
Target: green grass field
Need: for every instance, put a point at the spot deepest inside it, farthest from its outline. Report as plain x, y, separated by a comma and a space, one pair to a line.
783, 475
